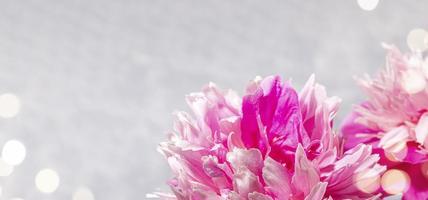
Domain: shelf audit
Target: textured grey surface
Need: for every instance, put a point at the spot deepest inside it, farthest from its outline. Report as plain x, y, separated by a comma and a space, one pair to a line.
99, 79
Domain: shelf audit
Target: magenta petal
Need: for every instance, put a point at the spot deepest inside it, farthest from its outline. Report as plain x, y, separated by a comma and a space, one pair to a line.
250, 130
271, 89
414, 155
418, 182
277, 107
280, 113
287, 121
353, 132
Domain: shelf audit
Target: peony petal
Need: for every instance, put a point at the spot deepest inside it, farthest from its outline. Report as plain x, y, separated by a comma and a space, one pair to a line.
287, 120
230, 124
227, 103
421, 129
234, 141
258, 196
250, 130
203, 194
305, 175
277, 107
219, 173
326, 159
245, 182
187, 129
354, 155
276, 178
317, 192
250, 159
355, 133
232, 195
394, 137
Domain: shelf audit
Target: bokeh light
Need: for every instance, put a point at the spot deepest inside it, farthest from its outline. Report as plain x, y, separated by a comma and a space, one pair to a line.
47, 180
14, 152
9, 105
425, 67
426, 40
417, 40
83, 193
5, 169
368, 4
395, 181
413, 81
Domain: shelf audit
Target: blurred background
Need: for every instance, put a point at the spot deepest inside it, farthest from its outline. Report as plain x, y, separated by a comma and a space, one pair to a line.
88, 86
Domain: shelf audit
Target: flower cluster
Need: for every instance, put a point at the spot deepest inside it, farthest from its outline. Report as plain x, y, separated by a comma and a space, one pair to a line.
394, 120
273, 143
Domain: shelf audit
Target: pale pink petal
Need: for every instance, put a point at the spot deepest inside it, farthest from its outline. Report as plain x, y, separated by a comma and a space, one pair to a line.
317, 192
188, 130
227, 103
326, 159
421, 129
250, 159
305, 175
258, 196
232, 195
276, 178
245, 182
220, 174
204, 194
234, 141
394, 137
230, 124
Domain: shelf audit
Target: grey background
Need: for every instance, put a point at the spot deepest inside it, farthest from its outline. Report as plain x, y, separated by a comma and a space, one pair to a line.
99, 79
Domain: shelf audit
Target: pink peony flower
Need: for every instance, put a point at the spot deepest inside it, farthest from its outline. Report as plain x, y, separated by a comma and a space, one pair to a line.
272, 144
394, 119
